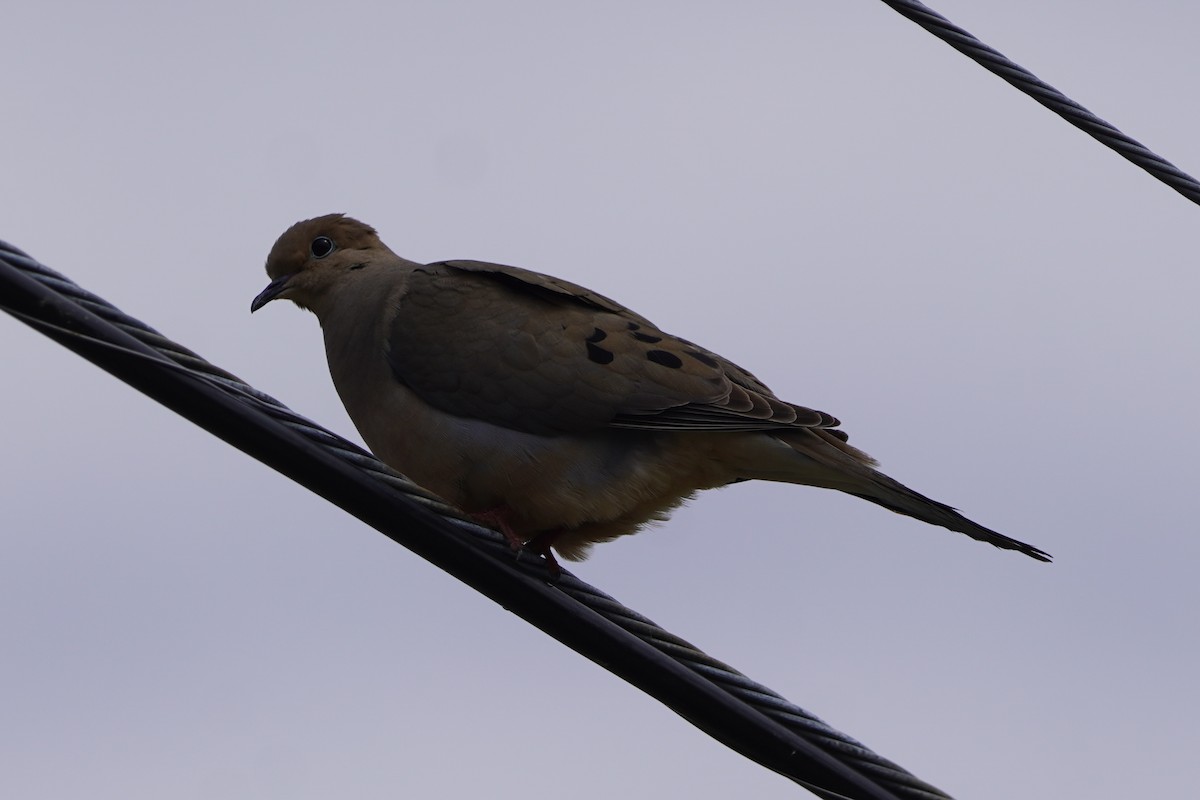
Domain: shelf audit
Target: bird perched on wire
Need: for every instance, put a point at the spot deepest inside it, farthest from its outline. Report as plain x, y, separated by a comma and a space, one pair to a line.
548, 411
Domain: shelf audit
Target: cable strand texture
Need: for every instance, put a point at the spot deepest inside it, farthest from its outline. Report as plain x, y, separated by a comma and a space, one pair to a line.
997, 63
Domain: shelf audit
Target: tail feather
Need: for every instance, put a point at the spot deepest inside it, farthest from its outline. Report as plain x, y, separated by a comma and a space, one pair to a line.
895, 496
847, 469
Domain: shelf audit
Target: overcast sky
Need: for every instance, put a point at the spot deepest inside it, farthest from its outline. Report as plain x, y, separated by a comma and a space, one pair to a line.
998, 308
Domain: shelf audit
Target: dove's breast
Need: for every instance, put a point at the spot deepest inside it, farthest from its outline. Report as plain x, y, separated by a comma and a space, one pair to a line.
596, 485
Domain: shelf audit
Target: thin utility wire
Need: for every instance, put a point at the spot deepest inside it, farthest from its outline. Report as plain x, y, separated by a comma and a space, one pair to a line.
997, 63
744, 715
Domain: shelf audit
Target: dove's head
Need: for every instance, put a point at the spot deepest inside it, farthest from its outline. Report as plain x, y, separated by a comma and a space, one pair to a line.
315, 257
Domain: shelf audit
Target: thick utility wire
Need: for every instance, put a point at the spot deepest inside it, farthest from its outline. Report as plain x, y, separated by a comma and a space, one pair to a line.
742, 714
996, 62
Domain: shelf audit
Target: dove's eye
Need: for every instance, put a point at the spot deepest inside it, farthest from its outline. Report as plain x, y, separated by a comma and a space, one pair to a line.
321, 246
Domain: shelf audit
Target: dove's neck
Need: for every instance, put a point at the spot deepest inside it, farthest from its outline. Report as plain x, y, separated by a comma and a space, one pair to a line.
355, 320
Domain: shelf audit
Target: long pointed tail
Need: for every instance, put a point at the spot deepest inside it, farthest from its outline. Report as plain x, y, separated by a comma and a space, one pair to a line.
828, 461
895, 496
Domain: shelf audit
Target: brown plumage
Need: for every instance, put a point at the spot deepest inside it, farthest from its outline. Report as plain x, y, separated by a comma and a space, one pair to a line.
549, 410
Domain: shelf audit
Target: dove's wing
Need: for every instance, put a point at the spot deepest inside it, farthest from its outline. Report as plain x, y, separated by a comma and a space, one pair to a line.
538, 354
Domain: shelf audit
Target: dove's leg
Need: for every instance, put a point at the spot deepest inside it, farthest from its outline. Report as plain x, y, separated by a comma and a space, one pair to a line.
499, 519
541, 543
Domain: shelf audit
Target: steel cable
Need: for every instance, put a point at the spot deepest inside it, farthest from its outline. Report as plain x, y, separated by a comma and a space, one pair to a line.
997, 63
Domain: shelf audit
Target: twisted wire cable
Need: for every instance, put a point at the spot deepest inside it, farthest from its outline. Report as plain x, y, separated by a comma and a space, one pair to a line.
997, 63
743, 714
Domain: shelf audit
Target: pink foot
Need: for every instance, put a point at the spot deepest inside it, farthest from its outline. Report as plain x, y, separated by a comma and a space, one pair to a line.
541, 544
499, 519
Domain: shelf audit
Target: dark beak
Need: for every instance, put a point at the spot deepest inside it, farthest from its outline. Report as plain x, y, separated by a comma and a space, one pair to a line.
273, 290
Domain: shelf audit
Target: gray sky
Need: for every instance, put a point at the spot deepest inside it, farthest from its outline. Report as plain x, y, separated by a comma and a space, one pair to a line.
1000, 310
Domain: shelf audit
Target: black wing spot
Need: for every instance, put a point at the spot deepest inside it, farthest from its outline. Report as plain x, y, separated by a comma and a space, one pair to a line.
645, 337
597, 336
633, 326
664, 358
599, 354
703, 358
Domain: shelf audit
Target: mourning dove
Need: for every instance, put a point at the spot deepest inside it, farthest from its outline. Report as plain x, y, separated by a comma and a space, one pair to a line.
549, 411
